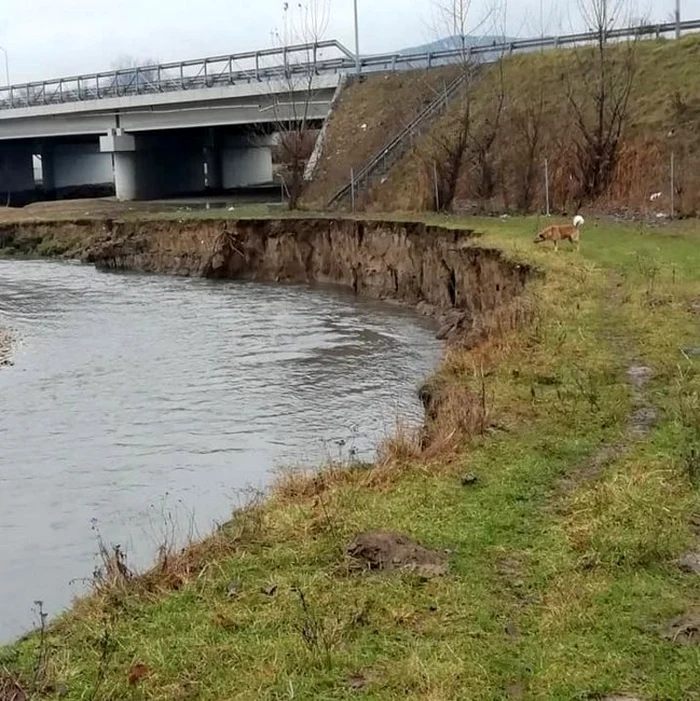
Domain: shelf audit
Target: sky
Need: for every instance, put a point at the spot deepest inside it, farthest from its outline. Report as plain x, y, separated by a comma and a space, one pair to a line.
52, 38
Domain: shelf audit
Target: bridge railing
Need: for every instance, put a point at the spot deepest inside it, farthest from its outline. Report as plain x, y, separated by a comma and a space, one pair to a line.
282, 62
211, 72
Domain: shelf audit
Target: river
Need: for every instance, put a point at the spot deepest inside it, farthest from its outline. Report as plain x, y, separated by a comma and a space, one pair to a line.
139, 403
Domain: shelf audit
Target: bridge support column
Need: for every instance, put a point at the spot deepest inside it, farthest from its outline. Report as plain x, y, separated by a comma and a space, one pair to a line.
16, 174
48, 170
212, 160
123, 149
125, 175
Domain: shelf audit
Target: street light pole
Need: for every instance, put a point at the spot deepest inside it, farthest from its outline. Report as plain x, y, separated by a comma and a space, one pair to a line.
678, 19
7, 67
358, 64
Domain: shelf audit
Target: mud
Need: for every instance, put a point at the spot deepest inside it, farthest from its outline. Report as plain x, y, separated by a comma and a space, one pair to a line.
381, 550
684, 630
690, 563
444, 273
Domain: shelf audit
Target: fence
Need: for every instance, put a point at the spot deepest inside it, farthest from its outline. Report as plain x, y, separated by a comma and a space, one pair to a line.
393, 151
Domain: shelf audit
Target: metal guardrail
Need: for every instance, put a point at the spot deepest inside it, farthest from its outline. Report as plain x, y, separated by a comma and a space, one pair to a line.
392, 150
215, 71
270, 64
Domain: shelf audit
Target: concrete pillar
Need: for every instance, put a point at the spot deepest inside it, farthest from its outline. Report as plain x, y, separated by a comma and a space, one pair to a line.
212, 160
247, 167
16, 174
48, 170
212, 157
122, 146
125, 175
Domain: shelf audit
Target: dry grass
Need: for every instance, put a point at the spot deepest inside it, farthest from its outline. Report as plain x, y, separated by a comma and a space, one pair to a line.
664, 107
551, 595
10, 688
368, 115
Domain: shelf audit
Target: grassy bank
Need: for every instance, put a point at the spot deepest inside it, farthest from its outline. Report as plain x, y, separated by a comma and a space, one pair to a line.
562, 580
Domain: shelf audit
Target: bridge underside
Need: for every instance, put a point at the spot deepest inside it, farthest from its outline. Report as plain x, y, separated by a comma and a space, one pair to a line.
153, 146
146, 165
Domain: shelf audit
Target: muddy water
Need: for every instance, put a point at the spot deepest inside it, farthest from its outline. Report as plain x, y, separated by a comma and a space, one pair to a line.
138, 405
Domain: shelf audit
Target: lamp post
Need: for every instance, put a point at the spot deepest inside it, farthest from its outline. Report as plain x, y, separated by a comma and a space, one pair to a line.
678, 19
7, 67
358, 64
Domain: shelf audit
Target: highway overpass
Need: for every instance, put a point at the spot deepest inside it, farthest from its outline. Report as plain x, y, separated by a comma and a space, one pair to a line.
200, 125
153, 132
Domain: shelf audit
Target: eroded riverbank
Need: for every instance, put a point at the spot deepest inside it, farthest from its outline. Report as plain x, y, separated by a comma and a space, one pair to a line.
442, 272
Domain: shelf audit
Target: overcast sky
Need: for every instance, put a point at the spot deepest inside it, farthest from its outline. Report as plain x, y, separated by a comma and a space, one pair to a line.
49, 38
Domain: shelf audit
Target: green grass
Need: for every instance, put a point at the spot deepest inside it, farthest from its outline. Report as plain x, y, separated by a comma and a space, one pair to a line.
553, 593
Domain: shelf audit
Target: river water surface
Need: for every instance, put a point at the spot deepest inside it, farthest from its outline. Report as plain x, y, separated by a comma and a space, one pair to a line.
140, 401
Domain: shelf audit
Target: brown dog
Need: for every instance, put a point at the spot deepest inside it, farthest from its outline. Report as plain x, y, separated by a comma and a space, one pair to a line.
562, 232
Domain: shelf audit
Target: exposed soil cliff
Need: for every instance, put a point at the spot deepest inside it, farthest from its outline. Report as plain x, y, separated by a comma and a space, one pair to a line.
438, 270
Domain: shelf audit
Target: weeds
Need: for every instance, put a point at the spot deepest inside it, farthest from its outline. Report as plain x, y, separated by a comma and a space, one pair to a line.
10, 688
648, 267
318, 633
688, 413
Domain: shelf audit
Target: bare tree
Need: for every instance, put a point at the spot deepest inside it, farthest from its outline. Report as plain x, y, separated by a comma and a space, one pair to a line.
134, 73
305, 24
599, 94
525, 123
468, 132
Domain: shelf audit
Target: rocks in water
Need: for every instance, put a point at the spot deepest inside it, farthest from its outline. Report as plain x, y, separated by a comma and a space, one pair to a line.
690, 563
5, 347
383, 550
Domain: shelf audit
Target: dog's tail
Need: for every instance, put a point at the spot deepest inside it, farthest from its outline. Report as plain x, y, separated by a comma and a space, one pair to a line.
579, 221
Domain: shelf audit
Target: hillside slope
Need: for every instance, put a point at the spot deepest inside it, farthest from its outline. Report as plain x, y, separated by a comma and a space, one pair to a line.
664, 118
368, 115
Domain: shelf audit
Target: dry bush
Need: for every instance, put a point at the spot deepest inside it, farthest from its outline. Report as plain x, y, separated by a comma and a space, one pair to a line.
10, 688
401, 447
176, 567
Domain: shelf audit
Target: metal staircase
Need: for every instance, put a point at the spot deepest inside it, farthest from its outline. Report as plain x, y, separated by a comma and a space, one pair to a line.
392, 152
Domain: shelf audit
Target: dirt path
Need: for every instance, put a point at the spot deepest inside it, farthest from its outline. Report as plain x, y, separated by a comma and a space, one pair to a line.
643, 415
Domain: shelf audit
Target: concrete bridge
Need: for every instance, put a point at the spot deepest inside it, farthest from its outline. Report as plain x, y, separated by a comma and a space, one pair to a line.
158, 131
202, 125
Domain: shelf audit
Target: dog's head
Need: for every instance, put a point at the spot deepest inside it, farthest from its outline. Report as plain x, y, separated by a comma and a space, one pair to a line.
579, 221
539, 238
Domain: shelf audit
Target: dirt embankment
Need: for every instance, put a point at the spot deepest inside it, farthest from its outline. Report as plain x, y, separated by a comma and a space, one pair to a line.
503, 169
440, 271
369, 114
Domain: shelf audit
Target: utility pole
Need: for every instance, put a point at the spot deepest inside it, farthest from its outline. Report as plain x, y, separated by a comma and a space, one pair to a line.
678, 19
7, 67
358, 64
